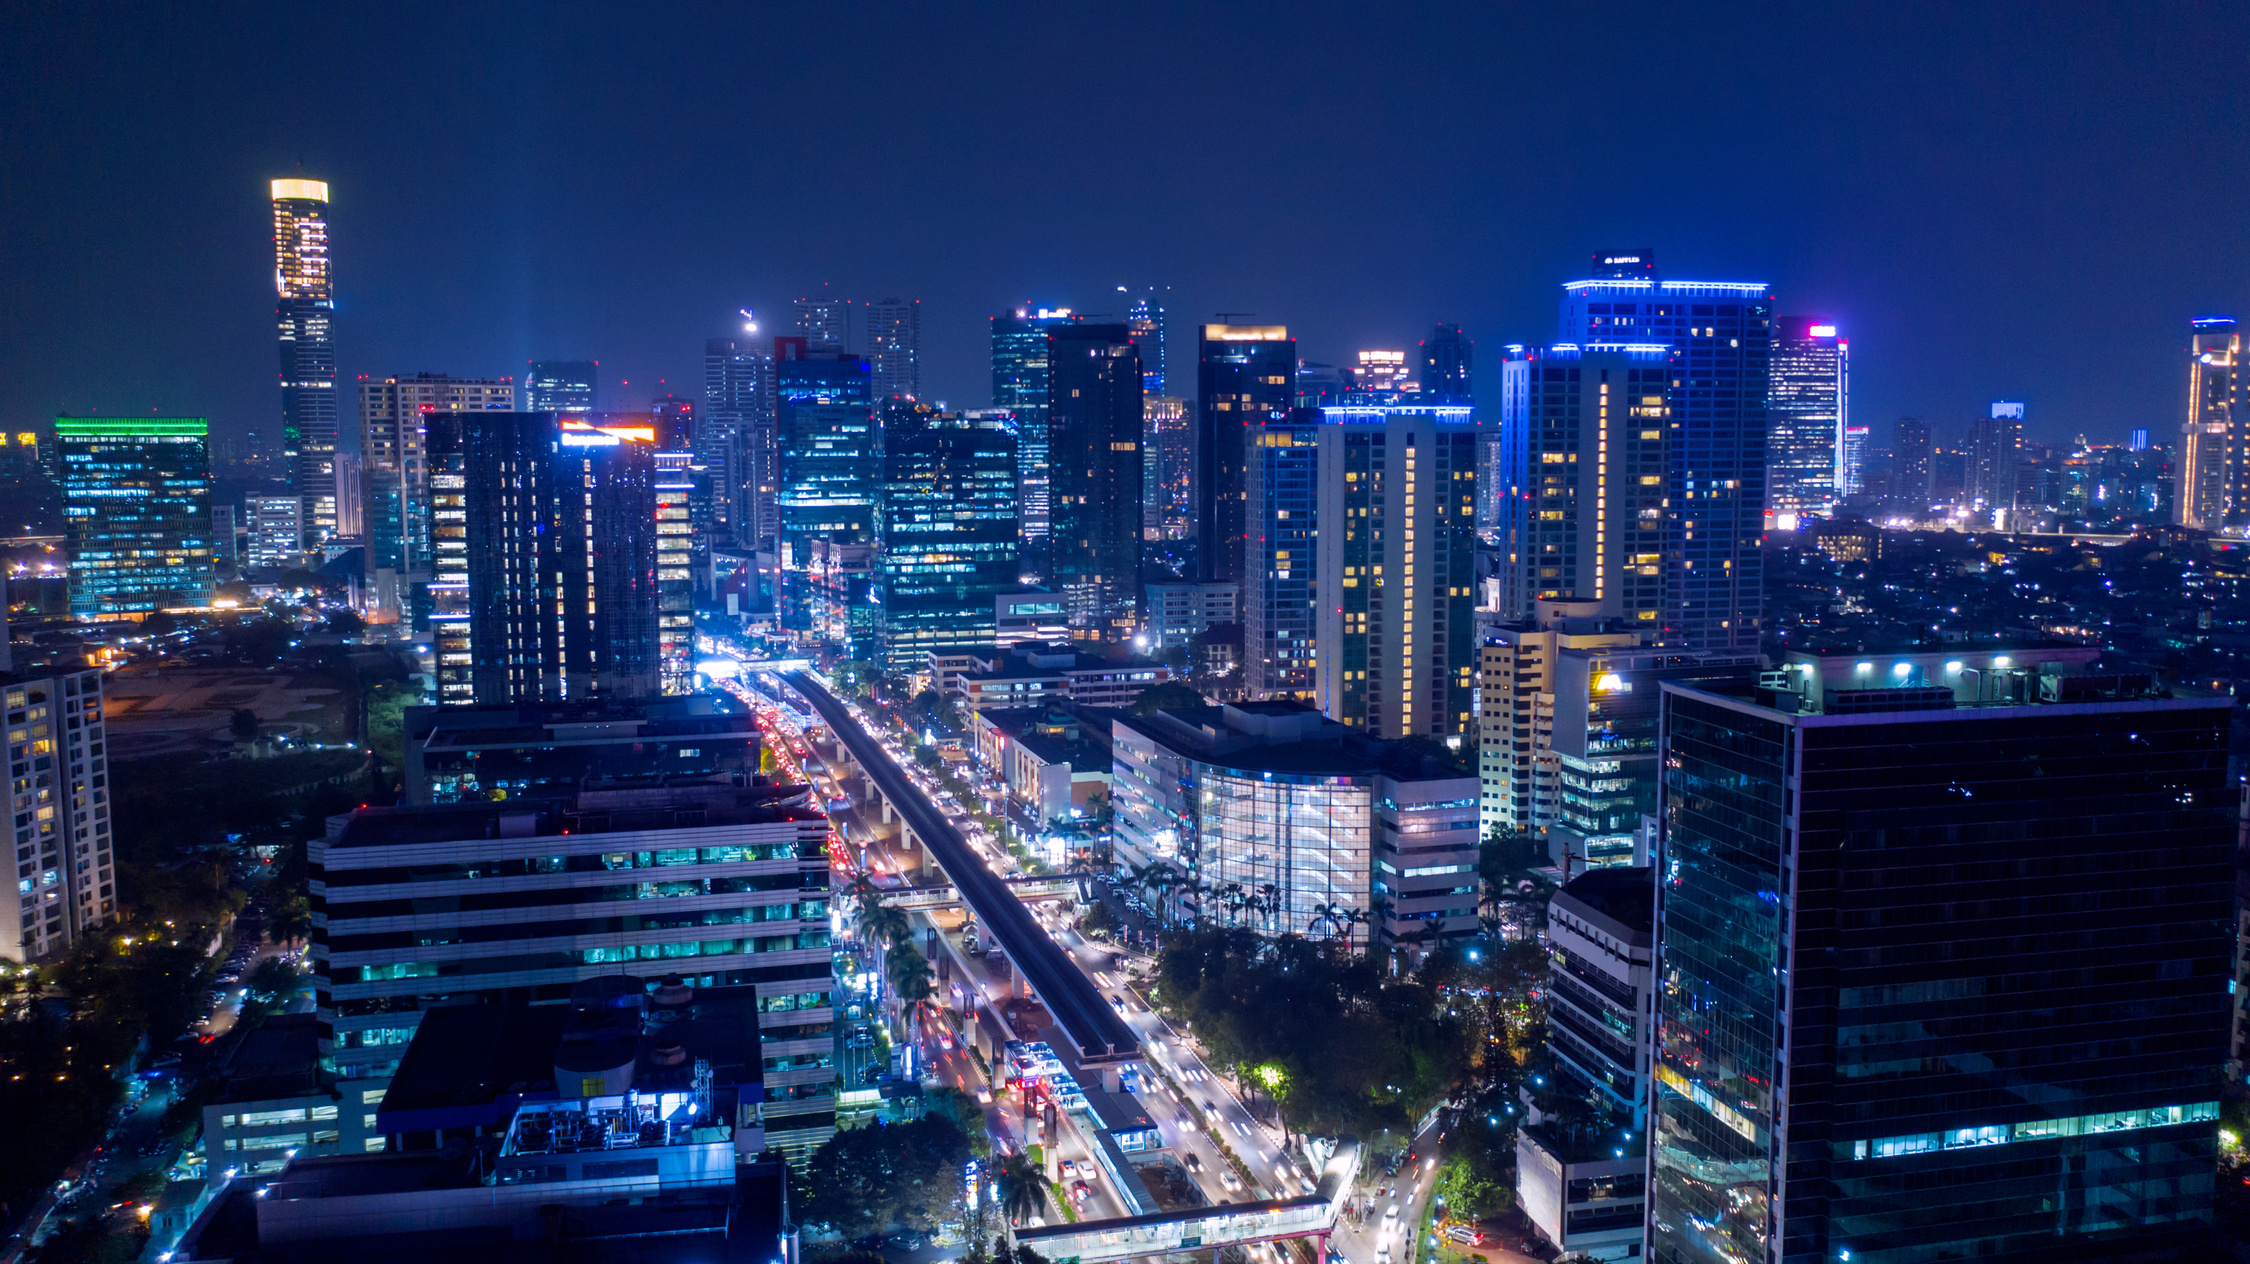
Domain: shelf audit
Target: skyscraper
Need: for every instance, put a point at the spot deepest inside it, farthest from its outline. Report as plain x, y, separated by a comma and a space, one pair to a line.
1146, 320
2214, 466
1167, 466
736, 447
1911, 453
137, 514
1279, 556
825, 324
1807, 409
562, 386
394, 416
1995, 447
948, 531
1943, 950
894, 348
305, 311
1585, 461
1380, 377
831, 456
1720, 334
1019, 385
1095, 428
65, 883
1394, 593
1245, 375
676, 537
1445, 364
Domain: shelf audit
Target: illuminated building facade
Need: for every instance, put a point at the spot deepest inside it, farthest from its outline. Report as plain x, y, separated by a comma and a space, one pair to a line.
1720, 337
1167, 467
394, 415
1095, 427
736, 448
1855, 1061
1019, 386
136, 514
1585, 464
1911, 457
1393, 602
1279, 553
276, 530
305, 311
1381, 376
675, 560
1246, 376
948, 529
65, 882
1807, 412
894, 348
831, 453
2214, 465
1995, 453
562, 386
1446, 362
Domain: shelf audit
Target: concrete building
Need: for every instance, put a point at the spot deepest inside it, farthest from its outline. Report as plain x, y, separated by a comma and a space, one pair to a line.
540, 750
1178, 613
1516, 708
1045, 757
1030, 674
63, 862
394, 416
276, 531
1030, 615
276, 1102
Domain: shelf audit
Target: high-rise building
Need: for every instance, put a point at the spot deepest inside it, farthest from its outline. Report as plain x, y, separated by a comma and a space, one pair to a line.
351, 509
831, 459
394, 417
1807, 411
948, 529
736, 448
1019, 385
1280, 553
1167, 467
1944, 941
562, 386
1520, 662
1095, 426
1380, 377
1394, 564
1911, 455
225, 546
305, 311
894, 348
1585, 465
825, 324
137, 514
276, 530
1995, 452
676, 540
1146, 320
1851, 461
2214, 465
1718, 332
1245, 376
1445, 363
65, 883
1319, 385
560, 517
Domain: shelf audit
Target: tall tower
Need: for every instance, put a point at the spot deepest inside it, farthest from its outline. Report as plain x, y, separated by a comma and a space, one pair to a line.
1910, 464
1096, 427
825, 324
1246, 376
1995, 445
305, 310
948, 528
894, 348
1445, 364
1146, 321
1806, 413
735, 446
1019, 385
2212, 490
561, 386
394, 419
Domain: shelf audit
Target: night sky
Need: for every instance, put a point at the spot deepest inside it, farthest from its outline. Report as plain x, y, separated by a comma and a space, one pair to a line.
2028, 200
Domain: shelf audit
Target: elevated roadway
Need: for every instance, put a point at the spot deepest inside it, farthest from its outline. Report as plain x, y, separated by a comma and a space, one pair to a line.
1100, 1037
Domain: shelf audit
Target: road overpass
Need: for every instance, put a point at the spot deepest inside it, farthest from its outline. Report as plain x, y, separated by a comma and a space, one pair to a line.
1101, 1039
1206, 1228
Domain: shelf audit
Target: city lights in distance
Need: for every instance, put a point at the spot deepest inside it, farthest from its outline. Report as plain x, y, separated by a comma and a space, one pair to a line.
1823, 331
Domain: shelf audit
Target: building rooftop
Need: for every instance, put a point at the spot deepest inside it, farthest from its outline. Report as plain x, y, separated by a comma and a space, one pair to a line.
603, 811
279, 1059
1620, 899
1290, 738
1956, 677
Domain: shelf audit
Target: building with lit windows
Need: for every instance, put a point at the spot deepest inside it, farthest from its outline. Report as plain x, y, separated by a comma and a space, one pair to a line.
1943, 955
471, 754
394, 416
1178, 612
1446, 360
2214, 465
1518, 667
735, 444
894, 348
276, 530
1338, 835
1019, 387
1719, 338
1167, 468
1993, 469
1246, 376
831, 453
562, 386
1808, 408
1095, 428
948, 531
1279, 552
1146, 320
675, 561
305, 310
65, 879
136, 514
1381, 376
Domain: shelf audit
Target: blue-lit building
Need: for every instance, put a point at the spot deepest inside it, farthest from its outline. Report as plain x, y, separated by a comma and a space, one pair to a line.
1279, 552
136, 514
1810, 465
1246, 377
561, 386
1095, 431
1019, 386
948, 532
830, 458
1944, 944
1720, 335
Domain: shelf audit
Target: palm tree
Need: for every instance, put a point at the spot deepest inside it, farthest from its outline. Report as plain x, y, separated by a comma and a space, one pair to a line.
1234, 897
886, 923
1023, 1187
1271, 903
862, 891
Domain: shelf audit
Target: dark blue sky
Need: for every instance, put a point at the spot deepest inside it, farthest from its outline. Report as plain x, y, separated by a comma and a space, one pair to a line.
2006, 200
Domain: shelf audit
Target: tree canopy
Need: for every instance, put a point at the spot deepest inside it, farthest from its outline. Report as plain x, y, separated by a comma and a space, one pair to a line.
864, 1181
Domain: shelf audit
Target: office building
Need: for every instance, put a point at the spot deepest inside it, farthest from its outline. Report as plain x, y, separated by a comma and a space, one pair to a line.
947, 525
1808, 407
1581, 1178
1029, 615
1911, 454
225, 545
831, 452
1945, 946
1319, 385
1146, 320
1368, 842
1995, 455
673, 475
562, 386
1393, 597
1519, 668
894, 348
1245, 377
1851, 461
825, 324
736, 447
472, 754
1167, 468
2214, 464
1445, 364
446, 444
273, 1102
1279, 553
1095, 427
65, 876
24, 459
1031, 674
1381, 377
559, 520
1585, 463
1715, 332
1180, 612
276, 530
351, 515
136, 514
394, 417
305, 310
723, 885
1019, 386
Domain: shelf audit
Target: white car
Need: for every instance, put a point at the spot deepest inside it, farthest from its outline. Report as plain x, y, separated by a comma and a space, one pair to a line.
1231, 1181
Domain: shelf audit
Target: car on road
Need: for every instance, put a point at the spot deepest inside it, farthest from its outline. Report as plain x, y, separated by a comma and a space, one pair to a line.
1211, 1110
1192, 1162
1187, 1122
1231, 1181
984, 1096
945, 1040
1117, 1003
1468, 1235
1081, 1191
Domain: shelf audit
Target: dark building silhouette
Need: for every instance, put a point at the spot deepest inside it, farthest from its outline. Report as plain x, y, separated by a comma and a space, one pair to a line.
947, 525
1095, 432
1445, 366
1246, 375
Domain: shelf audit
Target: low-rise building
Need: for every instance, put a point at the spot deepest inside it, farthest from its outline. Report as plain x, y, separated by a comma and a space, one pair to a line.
1032, 674
1029, 615
1178, 613
1045, 758
537, 749
275, 1101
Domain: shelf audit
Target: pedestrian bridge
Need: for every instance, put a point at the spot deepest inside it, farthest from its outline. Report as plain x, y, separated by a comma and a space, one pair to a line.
1206, 1228
923, 897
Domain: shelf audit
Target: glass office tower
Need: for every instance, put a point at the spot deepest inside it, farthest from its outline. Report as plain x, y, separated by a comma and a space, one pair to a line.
1945, 941
1095, 427
1246, 375
1019, 385
2213, 469
948, 529
894, 348
1807, 409
136, 514
831, 459
305, 310
560, 386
